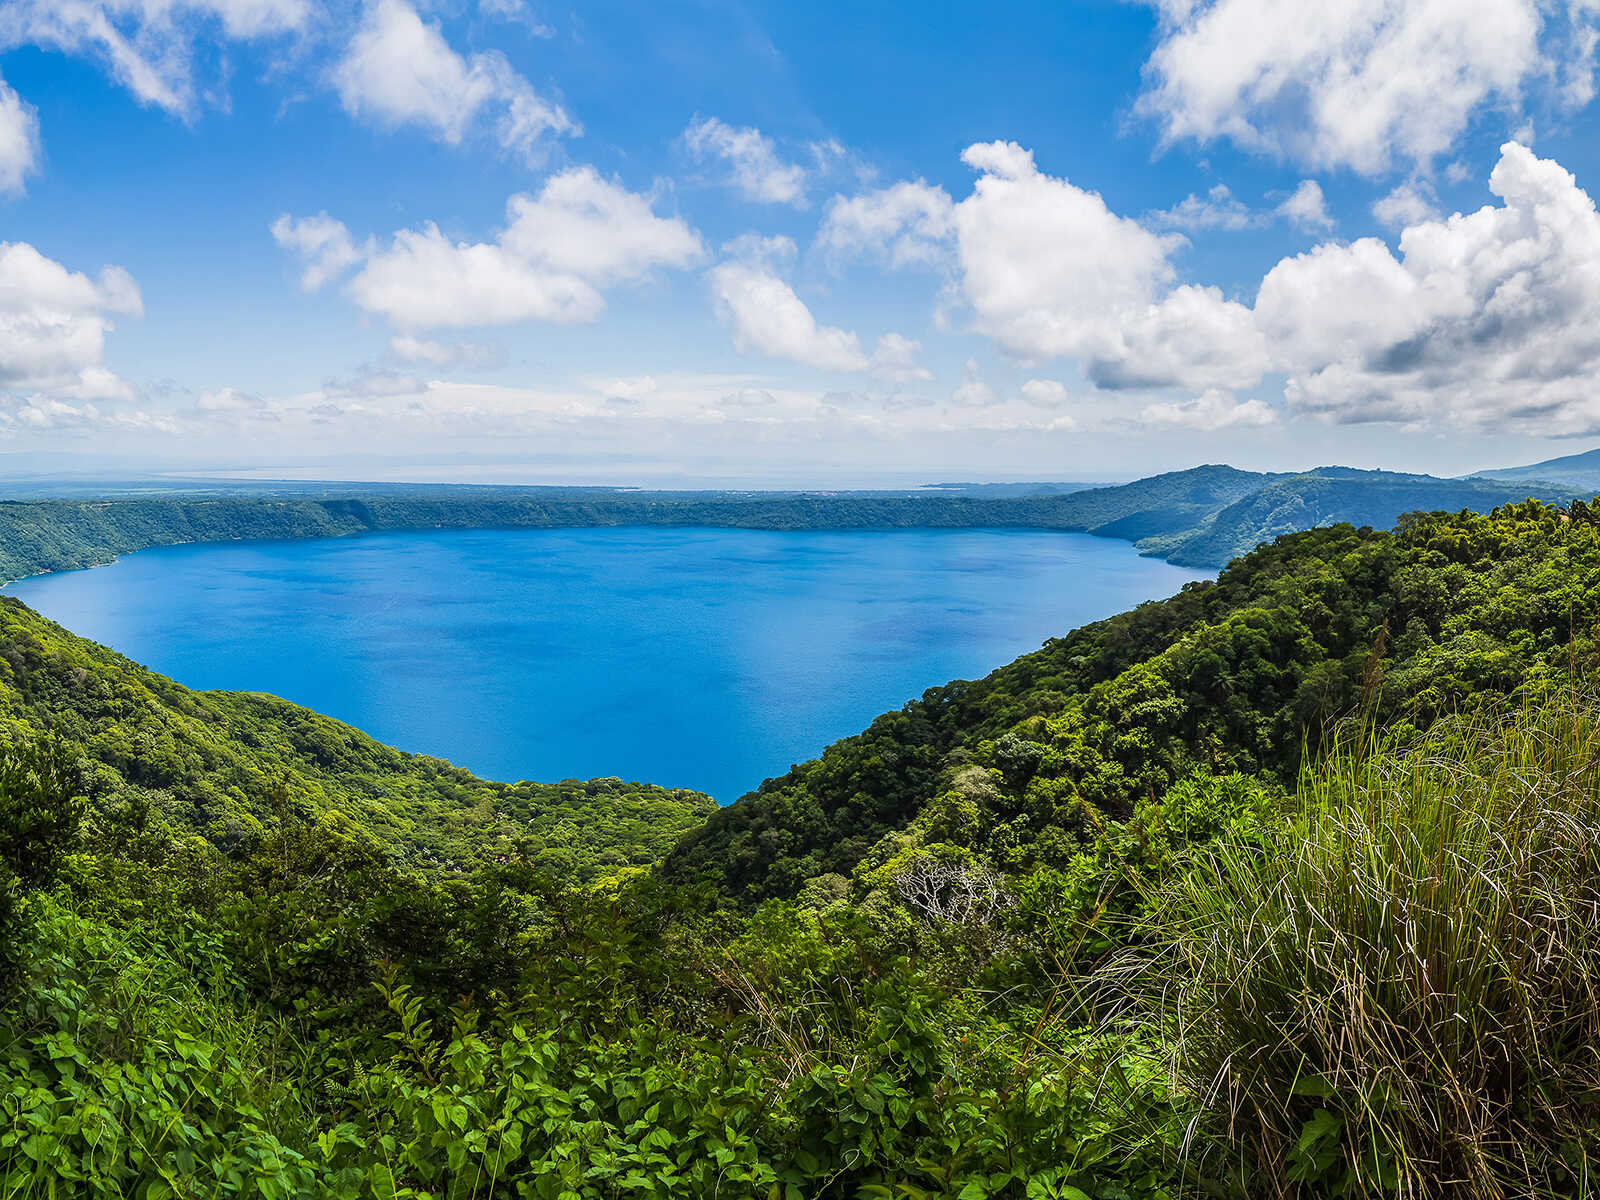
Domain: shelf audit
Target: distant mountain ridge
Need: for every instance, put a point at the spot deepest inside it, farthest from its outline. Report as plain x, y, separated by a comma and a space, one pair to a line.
1581, 471
1201, 517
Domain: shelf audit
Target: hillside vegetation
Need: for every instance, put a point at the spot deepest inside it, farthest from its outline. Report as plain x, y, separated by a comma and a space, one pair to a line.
1199, 517
225, 765
1231, 676
1283, 887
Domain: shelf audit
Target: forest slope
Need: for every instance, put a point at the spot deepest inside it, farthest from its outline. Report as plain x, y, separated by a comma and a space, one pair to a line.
1242, 675
221, 763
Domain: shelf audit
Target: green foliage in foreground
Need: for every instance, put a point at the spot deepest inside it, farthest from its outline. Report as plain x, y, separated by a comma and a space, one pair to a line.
221, 764
1392, 990
309, 1021
1380, 985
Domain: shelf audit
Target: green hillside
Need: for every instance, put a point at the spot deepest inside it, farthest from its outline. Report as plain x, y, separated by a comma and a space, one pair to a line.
228, 765
1330, 496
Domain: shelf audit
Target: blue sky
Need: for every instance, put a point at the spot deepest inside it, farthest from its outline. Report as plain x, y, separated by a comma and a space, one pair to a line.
780, 244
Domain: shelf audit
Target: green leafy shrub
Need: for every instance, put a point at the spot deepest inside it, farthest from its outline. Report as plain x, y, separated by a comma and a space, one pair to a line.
40, 812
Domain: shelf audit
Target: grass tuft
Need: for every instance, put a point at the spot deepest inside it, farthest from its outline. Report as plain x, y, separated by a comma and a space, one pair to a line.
1396, 990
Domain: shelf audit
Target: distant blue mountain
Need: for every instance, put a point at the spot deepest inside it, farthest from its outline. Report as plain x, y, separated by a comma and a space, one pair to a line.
1581, 471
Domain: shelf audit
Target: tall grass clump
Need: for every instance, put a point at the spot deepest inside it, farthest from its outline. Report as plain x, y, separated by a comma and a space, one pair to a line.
1396, 990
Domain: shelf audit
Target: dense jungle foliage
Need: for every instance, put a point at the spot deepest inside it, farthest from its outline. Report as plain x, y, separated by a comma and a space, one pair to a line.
1199, 517
1286, 886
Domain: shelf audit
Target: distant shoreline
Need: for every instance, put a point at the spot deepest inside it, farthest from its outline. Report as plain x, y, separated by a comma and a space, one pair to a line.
1201, 518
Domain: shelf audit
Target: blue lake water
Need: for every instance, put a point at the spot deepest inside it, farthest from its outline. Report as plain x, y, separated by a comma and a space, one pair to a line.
704, 658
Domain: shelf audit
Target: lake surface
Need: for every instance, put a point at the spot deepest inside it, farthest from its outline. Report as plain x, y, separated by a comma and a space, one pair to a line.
704, 658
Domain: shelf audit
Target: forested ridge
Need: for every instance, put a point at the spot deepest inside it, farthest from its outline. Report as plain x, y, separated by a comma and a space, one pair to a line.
1283, 886
1199, 517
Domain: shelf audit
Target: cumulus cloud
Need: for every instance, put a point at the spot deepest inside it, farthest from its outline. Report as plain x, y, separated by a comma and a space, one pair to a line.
1307, 208
754, 166
1046, 266
1484, 318
1210, 411
149, 46
53, 324
1357, 84
1046, 393
229, 400
1408, 204
19, 140
894, 360
1478, 319
48, 414
399, 70
908, 224
323, 245
371, 383
1304, 208
972, 391
1193, 337
766, 316
552, 262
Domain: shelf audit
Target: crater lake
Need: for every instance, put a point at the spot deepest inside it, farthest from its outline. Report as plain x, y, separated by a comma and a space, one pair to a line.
702, 658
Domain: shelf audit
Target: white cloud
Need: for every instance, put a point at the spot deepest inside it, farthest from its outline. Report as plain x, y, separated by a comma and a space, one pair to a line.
1192, 338
322, 243
399, 70
754, 166
1307, 208
1489, 318
371, 383
149, 46
1492, 317
1048, 269
470, 355
518, 11
632, 389
558, 252
1218, 209
1355, 84
908, 224
48, 414
19, 140
972, 391
1211, 410
1046, 393
1304, 208
1408, 204
894, 360
53, 324
767, 317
